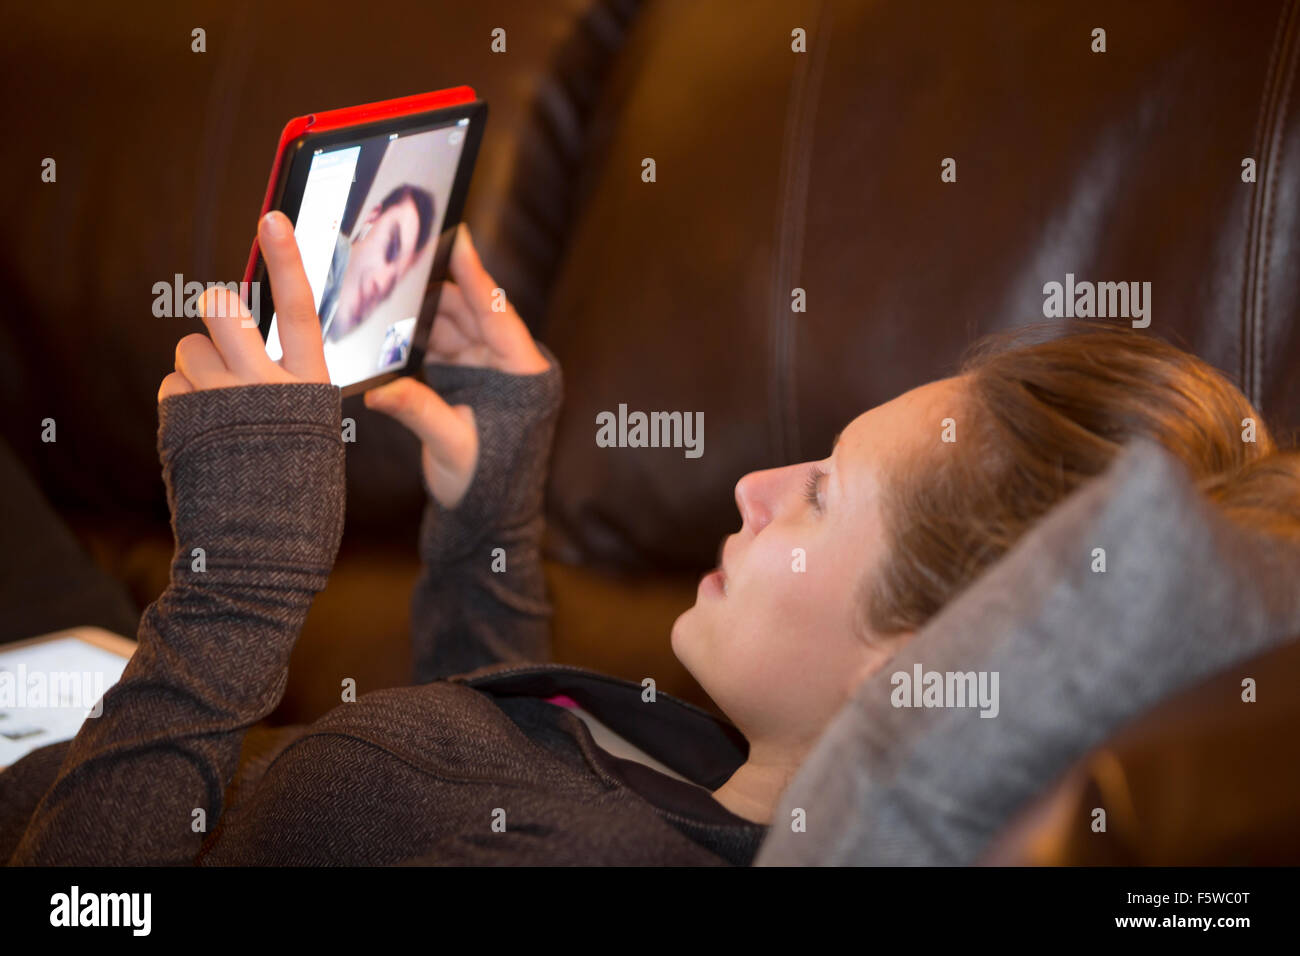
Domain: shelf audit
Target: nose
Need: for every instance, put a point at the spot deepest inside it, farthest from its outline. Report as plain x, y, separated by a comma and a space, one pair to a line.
759, 494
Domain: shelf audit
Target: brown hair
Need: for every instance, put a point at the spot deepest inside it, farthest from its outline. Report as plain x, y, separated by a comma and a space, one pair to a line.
1038, 420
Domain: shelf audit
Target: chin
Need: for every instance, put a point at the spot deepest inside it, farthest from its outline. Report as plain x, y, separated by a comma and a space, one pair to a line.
692, 640
680, 636
341, 329
673, 639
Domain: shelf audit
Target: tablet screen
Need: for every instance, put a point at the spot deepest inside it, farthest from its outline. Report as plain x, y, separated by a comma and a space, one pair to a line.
47, 690
367, 227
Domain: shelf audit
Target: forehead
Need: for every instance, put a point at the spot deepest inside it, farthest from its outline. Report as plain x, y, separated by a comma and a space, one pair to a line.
402, 210
903, 423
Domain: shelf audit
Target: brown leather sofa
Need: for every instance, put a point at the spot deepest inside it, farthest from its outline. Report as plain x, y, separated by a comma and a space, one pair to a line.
775, 170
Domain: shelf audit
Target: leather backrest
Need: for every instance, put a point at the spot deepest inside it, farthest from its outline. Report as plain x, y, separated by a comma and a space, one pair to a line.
778, 170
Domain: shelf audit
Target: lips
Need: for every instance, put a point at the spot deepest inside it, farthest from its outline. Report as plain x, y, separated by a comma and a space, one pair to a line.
717, 578
714, 583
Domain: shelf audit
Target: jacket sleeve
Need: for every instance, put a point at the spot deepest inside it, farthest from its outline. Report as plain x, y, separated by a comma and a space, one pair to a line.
481, 598
254, 478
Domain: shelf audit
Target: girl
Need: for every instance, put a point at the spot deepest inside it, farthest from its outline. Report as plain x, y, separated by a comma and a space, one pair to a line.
483, 759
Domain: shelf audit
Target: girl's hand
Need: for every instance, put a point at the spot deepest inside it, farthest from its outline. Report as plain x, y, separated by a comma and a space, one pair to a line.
235, 354
466, 331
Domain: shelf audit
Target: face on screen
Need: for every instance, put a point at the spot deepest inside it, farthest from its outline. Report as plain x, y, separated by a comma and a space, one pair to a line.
367, 228
380, 255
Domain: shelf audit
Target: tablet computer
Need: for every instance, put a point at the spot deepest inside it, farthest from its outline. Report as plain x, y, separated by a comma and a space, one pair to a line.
50, 685
375, 193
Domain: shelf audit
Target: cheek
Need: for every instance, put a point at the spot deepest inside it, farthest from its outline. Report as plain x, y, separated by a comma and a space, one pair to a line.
365, 255
787, 576
789, 596
352, 278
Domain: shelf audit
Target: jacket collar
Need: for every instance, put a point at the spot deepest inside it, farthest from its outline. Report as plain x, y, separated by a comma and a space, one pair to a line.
701, 747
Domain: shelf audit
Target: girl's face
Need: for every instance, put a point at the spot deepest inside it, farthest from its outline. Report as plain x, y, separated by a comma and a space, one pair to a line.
777, 636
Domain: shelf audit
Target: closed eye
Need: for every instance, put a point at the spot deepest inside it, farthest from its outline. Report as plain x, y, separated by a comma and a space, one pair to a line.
812, 488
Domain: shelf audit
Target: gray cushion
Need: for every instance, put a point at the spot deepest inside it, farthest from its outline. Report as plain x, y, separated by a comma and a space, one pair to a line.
1185, 594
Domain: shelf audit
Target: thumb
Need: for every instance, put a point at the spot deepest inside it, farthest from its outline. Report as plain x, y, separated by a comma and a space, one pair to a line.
448, 434
415, 405
440, 427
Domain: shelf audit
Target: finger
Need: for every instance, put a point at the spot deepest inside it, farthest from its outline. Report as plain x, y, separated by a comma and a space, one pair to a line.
199, 362
421, 410
446, 340
503, 332
451, 302
457, 334
470, 277
239, 344
295, 307
455, 311
174, 384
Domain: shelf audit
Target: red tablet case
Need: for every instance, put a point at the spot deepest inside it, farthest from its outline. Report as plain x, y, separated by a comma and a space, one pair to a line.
351, 116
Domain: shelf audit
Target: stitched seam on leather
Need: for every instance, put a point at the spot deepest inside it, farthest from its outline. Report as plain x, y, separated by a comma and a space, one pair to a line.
1277, 140
565, 105
796, 160
1249, 318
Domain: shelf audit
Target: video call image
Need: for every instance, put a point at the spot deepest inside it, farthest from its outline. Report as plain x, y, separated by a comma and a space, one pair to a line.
368, 229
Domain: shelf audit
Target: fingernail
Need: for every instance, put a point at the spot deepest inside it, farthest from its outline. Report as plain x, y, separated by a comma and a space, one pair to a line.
277, 225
